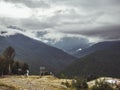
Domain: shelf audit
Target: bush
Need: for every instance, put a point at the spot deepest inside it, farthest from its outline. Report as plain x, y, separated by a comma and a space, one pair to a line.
66, 84
79, 84
101, 85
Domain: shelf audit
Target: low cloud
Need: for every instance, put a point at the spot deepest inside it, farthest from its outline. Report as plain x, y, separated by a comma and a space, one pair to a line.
91, 19
105, 33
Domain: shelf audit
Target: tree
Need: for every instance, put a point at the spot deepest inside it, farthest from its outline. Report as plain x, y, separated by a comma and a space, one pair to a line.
8, 65
9, 55
4, 64
19, 68
15, 67
24, 68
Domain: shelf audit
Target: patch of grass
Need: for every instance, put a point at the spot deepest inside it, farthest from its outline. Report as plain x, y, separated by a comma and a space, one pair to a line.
67, 84
8, 86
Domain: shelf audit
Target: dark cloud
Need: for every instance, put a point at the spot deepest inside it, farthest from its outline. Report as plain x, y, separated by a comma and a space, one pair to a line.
107, 32
90, 18
87, 3
35, 24
28, 23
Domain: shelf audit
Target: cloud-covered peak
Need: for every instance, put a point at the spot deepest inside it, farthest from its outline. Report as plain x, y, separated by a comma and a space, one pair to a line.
7, 32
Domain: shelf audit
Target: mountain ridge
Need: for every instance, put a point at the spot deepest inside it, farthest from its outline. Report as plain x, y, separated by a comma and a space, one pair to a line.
36, 53
104, 62
96, 47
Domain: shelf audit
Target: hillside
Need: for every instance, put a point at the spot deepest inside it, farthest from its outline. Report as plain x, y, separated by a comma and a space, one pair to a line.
100, 63
32, 83
36, 53
43, 83
96, 47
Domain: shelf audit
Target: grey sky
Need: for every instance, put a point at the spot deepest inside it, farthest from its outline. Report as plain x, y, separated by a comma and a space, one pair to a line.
31, 3
98, 19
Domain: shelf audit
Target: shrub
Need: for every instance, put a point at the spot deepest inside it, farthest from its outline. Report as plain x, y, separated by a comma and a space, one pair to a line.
101, 85
79, 84
66, 84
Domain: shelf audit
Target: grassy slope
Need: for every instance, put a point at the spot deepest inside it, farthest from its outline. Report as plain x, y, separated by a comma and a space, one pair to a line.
39, 83
33, 83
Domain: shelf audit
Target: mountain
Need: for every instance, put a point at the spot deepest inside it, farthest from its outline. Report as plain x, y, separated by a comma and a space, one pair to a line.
35, 53
67, 43
96, 47
70, 44
105, 62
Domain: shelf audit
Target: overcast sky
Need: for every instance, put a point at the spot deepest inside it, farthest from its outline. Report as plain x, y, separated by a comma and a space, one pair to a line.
91, 19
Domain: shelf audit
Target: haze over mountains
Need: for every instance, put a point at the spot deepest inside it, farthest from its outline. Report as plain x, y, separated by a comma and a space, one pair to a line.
35, 52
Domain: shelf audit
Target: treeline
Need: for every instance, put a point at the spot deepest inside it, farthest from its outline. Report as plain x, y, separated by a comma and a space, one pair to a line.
9, 66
